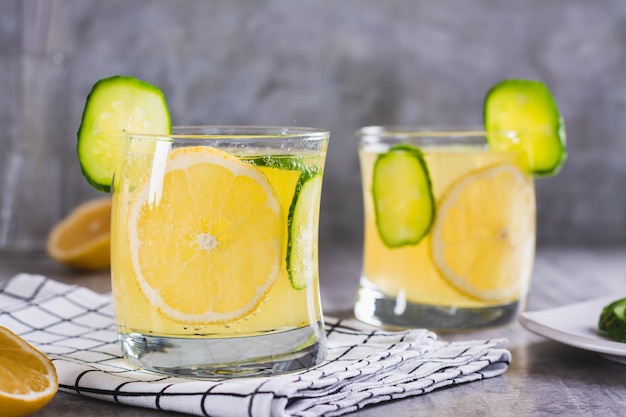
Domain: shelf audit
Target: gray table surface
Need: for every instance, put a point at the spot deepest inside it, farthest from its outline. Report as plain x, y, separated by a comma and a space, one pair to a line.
545, 377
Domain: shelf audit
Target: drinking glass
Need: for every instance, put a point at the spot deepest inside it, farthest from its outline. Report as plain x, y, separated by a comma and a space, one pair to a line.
214, 256
36, 148
472, 267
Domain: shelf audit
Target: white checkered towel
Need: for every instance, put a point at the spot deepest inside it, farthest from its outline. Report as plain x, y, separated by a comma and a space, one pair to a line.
74, 327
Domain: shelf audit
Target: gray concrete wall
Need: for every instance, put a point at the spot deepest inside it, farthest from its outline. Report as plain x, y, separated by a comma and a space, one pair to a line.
344, 64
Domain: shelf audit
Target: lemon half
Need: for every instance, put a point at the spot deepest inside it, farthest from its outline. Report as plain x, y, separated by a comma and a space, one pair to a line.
28, 379
82, 240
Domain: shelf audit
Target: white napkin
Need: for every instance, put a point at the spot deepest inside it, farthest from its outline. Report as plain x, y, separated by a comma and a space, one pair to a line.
364, 365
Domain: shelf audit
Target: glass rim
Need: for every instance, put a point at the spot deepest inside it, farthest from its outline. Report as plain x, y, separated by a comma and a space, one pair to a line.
237, 132
429, 131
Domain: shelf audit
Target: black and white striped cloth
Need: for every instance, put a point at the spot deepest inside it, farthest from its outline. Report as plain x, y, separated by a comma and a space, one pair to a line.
364, 365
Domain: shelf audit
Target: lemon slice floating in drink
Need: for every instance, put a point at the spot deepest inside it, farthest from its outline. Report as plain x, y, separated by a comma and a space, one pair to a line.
215, 245
480, 244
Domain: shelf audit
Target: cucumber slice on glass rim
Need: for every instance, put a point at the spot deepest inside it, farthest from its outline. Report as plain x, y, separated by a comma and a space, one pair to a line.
528, 108
114, 105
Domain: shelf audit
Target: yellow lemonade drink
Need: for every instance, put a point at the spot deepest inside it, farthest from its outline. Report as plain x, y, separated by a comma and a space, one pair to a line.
214, 251
473, 264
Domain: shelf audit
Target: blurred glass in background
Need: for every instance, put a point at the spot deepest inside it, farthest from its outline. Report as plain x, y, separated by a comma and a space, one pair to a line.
34, 110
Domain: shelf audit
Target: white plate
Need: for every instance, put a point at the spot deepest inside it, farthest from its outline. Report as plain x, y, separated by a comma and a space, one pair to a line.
576, 325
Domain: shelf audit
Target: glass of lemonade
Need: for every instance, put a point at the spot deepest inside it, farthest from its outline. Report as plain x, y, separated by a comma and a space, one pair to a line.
214, 250
449, 235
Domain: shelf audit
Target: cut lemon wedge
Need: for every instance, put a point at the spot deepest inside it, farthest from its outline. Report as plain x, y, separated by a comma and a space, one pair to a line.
210, 247
28, 379
483, 235
83, 238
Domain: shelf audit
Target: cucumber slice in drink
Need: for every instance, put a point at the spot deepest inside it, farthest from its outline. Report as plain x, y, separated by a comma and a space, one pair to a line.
301, 245
528, 108
403, 200
114, 105
613, 320
278, 161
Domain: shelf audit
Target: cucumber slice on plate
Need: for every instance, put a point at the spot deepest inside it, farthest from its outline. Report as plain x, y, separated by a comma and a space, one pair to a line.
302, 223
528, 108
613, 320
114, 105
403, 200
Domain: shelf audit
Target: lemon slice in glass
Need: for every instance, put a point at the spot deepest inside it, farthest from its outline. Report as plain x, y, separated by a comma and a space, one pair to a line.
206, 254
483, 235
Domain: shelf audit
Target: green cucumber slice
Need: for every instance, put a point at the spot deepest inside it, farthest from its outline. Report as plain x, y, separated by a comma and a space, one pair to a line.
403, 199
613, 320
528, 108
283, 162
114, 105
302, 223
